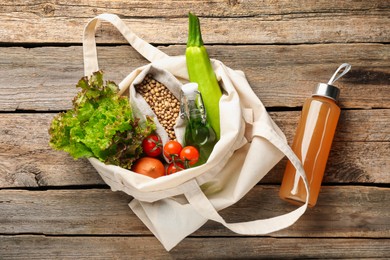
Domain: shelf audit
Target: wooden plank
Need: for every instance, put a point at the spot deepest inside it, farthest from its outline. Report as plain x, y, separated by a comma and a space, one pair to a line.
348, 139
26, 160
353, 126
284, 22
41, 247
349, 162
280, 75
172, 8
341, 212
216, 30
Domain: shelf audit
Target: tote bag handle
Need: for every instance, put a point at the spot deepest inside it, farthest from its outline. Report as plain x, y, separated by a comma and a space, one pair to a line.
147, 50
203, 206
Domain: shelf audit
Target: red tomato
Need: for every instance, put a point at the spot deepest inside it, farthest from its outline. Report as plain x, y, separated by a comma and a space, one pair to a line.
175, 167
189, 155
152, 145
149, 166
172, 150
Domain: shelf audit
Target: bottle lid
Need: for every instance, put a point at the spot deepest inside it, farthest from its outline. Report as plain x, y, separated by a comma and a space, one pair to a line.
328, 90
190, 89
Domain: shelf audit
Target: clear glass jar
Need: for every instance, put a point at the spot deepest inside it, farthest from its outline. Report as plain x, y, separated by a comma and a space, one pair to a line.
198, 132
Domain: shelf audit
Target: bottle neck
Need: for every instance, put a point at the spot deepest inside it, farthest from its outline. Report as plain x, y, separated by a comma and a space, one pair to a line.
324, 99
190, 108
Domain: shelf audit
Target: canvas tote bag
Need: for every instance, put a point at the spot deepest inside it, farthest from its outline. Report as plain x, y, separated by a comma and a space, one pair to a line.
251, 144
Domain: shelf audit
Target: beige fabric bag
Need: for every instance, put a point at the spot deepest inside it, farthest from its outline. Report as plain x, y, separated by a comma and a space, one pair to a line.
251, 144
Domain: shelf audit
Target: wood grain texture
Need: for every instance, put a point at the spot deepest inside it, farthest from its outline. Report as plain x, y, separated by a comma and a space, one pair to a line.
172, 8
26, 160
341, 212
216, 30
44, 78
357, 133
353, 126
349, 162
41, 247
258, 22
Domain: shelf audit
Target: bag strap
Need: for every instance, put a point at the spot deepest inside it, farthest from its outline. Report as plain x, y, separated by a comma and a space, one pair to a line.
203, 206
147, 50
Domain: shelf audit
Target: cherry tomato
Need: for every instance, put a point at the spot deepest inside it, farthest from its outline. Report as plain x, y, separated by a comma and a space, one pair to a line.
172, 150
175, 167
152, 145
149, 166
189, 155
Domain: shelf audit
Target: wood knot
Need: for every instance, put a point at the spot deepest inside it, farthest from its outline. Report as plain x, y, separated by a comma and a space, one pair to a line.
29, 175
48, 9
233, 2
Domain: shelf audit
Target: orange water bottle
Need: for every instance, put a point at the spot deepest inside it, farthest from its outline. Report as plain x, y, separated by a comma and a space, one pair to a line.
313, 141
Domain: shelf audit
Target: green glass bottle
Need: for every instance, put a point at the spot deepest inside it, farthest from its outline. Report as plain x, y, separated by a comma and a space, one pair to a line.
198, 132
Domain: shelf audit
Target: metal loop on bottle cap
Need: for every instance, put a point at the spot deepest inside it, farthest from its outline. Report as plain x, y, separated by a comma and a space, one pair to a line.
328, 90
344, 66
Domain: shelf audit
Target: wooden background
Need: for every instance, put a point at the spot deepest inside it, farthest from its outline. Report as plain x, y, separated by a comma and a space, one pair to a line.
54, 207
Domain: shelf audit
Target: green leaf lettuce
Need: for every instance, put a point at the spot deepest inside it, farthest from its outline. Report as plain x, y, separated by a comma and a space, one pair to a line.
101, 125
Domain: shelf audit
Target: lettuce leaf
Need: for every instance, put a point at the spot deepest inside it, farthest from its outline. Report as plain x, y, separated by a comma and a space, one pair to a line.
100, 125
